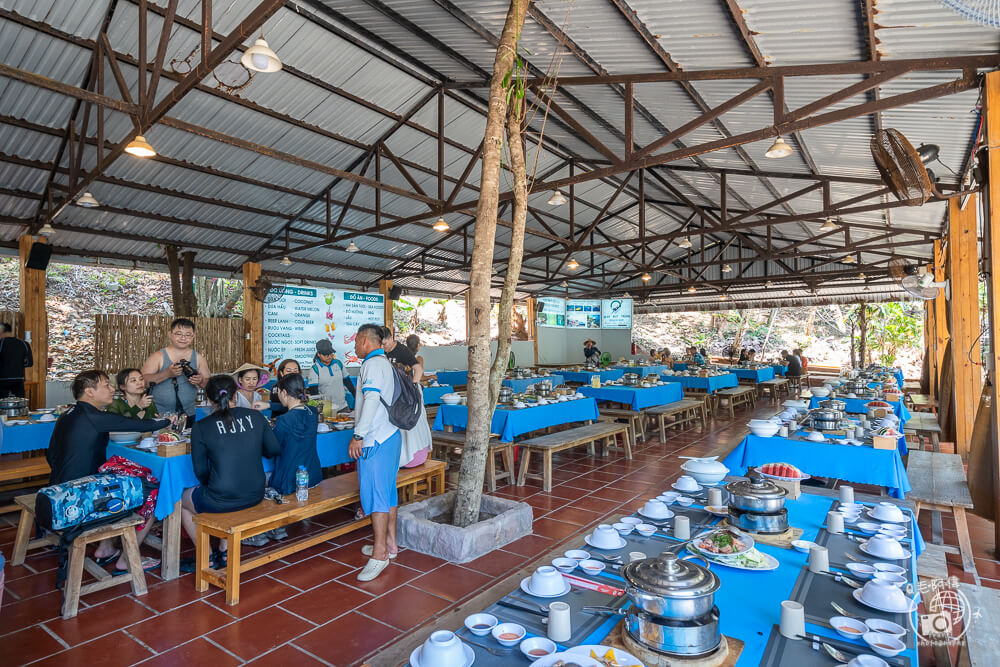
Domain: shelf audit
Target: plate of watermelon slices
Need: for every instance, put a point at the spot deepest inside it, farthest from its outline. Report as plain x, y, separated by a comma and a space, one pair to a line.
785, 472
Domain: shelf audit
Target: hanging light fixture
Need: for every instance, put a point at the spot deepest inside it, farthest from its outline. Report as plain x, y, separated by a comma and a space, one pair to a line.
139, 147
573, 264
564, 284
791, 293
285, 261
862, 275
46, 230
351, 247
829, 226
850, 259
685, 242
723, 297
727, 269
646, 277
557, 199
867, 289
87, 200
769, 284
692, 289
260, 57
441, 225
778, 149
626, 295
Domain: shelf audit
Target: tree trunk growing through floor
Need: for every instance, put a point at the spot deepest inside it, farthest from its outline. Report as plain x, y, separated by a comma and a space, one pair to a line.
473, 470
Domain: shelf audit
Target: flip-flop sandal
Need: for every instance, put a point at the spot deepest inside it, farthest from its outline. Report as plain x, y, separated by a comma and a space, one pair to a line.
108, 560
147, 565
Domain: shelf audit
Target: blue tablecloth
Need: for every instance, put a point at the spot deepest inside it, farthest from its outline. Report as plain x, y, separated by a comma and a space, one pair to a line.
25, 438
857, 406
453, 377
780, 370
712, 384
637, 397
584, 377
643, 371
510, 423
520, 384
755, 374
432, 395
861, 465
899, 378
680, 367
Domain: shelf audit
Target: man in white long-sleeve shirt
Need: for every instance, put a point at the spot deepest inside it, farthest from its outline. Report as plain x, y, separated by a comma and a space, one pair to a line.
376, 446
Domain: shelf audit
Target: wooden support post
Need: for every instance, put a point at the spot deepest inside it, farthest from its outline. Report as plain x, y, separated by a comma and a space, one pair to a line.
963, 275
533, 325
991, 248
940, 305
384, 287
253, 316
36, 324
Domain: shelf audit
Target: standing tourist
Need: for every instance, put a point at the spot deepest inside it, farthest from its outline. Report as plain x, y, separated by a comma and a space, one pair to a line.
413, 342
400, 355
15, 356
328, 374
376, 445
176, 372
134, 401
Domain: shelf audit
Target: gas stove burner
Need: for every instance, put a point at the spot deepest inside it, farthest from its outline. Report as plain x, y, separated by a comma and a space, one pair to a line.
651, 657
769, 523
691, 638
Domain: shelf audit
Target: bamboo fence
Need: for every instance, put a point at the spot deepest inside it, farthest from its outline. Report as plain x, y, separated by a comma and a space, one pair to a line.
125, 341
14, 318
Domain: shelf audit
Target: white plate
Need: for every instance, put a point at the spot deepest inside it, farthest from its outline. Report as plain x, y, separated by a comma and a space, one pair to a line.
621, 543
527, 589
553, 658
857, 596
470, 656
677, 488
906, 553
668, 515
621, 657
784, 479
772, 562
721, 510
905, 518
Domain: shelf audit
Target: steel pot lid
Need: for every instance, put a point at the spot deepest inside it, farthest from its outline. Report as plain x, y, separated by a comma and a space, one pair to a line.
756, 487
670, 577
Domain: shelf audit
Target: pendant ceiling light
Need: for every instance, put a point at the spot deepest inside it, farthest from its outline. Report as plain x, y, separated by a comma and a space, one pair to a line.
564, 284
778, 149
867, 289
862, 275
441, 225
646, 277
828, 226
626, 295
769, 284
573, 264
351, 247
685, 242
285, 261
87, 200
46, 230
692, 289
850, 259
791, 293
723, 297
139, 147
727, 269
260, 58
557, 199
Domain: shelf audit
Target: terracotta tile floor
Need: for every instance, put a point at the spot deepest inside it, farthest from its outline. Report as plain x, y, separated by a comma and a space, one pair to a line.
309, 609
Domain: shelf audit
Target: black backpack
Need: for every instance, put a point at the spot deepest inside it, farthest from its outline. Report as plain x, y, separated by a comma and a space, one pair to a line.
406, 408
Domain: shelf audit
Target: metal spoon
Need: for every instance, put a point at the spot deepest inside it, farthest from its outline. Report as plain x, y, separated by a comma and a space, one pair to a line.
857, 560
843, 612
492, 650
541, 607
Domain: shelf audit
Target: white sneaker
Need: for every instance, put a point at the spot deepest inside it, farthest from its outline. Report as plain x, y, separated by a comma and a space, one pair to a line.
369, 549
372, 569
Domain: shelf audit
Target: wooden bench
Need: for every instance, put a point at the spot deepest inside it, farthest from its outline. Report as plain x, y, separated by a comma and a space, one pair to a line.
445, 443
738, 396
980, 648
547, 445
920, 403
78, 560
634, 419
938, 483
684, 411
15, 469
794, 385
330, 494
924, 425
704, 395
773, 387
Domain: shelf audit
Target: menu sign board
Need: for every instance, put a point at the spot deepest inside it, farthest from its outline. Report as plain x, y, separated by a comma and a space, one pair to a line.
304, 315
551, 311
616, 313
583, 314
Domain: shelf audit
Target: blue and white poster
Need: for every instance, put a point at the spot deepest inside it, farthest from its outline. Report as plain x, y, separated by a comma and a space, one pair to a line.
583, 314
616, 313
551, 311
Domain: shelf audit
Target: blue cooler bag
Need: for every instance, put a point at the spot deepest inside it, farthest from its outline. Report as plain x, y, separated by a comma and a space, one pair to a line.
91, 499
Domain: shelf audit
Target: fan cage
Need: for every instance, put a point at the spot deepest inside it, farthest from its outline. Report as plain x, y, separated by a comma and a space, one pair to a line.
983, 12
900, 166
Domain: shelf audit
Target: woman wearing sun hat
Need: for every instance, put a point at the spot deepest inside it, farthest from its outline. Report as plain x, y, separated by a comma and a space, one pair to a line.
249, 378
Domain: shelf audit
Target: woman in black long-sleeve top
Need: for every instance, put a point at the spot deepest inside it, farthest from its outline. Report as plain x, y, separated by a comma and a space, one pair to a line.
226, 451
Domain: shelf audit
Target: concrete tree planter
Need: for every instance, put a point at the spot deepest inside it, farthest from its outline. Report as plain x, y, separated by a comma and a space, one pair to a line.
416, 530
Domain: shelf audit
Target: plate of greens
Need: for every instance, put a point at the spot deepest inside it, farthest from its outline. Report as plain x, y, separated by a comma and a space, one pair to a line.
749, 560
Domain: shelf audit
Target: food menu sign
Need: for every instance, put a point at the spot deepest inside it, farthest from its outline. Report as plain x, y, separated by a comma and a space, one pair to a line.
616, 313
304, 315
583, 314
551, 311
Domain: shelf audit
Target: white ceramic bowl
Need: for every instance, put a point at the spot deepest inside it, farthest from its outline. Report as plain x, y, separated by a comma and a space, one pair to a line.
565, 565
890, 578
480, 624
865, 660
685, 501
884, 644
516, 631
862, 571
577, 554
765, 431
686, 483
592, 567
534, 648
851, 628
883, 546
716, 474
656, 509
883, 595
803, 546
815, 436
623, 528
450, 399
887, 627
443, 648
631, 520
606, 537
868, 528
125, 436
889, 567
47, 417
821, 392
888, 512
671, 495
546, 580
892, 530
645, 529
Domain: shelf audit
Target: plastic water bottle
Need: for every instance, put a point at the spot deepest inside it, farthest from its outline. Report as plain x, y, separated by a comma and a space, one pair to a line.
302, 484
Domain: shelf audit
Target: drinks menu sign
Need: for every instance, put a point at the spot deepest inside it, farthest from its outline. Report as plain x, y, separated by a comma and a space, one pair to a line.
304, 315
583, 313
616, 313
551, 311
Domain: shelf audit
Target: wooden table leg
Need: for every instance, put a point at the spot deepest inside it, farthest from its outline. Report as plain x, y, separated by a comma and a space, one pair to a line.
964, 543
170, 552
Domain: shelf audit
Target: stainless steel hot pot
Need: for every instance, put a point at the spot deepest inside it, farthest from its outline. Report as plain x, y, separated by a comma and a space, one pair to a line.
13, 406
756, 494
630, 379
825, 420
